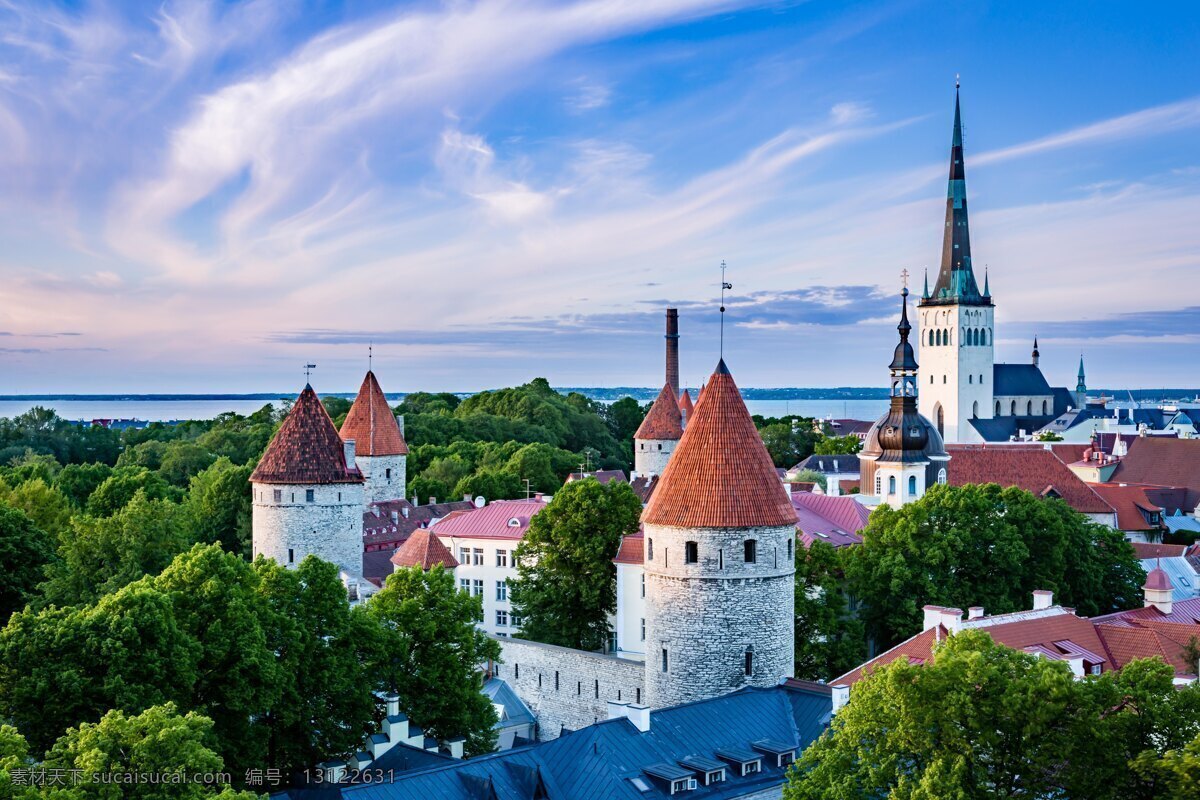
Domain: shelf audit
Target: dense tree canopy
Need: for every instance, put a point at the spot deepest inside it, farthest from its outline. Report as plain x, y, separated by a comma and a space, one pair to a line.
25, 550
566, 584
120, 487
985, 546
829, 639
428, 651
983, 721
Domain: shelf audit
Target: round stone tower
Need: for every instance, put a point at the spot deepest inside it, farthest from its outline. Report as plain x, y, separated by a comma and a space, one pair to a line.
307, 493
658, 434
379, 447
719, 563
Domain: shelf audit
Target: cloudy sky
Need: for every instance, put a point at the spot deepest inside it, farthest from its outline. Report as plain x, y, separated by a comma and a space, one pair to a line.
203, 196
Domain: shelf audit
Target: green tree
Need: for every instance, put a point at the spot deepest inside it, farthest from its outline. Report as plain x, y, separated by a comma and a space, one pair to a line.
837, 445
566, 580
14, 754
978, 721
158, 741
624, 417
49, 508
120, 487
184, 460
810, 476
829, 639
1175, 772
148, 454
218, 505
25, 550
325, 706
789, 440
336, 407
983, 545
428, 403
101, 554
78, 481
428, 651
545, 467
491, 484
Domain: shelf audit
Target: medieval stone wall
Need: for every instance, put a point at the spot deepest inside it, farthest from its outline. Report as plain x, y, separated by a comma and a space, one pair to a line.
568, 688
385, 477
709, 614
289, 528
650, 456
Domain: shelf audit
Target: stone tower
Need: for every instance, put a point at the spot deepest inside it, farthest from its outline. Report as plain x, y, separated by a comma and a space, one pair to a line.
903, 452
719, 538
307, 493
658, 434
956, 321
379, 448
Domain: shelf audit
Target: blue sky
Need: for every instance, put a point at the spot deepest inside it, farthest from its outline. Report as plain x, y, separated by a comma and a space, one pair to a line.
203, 196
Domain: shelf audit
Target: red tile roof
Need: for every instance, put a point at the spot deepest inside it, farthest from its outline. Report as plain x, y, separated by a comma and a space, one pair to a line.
499, 519
306, 449
1130, 502
371, 423
1123, 644
643, 487
685, 405
663, 420
602, 476
424, 549
720, 475
1032, 468
632, 549
1145, 550
1161, 460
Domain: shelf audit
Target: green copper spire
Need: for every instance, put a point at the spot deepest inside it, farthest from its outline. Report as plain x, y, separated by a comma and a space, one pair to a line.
925, 294
1081, 387
956, 279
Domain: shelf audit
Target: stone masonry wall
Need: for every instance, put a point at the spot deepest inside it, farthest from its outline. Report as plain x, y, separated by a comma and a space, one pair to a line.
330, 527
565, 687
707, 614
378, 486
650, 456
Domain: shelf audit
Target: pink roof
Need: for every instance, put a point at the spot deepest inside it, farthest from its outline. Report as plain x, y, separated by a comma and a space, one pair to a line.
499, 519
1157, 579
834, 520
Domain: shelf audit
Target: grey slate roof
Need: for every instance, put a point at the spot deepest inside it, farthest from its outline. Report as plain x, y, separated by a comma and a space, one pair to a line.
599, 760
515, 711
829, 465
997, 429
1018, 379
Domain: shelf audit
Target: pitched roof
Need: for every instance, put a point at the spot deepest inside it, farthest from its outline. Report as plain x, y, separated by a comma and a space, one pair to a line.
829, 465
423, 549
1019, 380
1144, 550
1030, 467
371, 423
1131, 504
663, 420
380, 529
602, 476
499, 519
1162, 460
644, 487
306, 449
632, 550
720, 475
685, 404
834, 520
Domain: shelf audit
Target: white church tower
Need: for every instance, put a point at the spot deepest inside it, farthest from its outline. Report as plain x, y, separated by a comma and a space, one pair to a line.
956, 322
719, 563
307, 493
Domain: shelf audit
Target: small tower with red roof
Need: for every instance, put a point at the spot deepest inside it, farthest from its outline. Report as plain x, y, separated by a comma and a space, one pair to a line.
307, 493
719, 563
658, 434
380, 451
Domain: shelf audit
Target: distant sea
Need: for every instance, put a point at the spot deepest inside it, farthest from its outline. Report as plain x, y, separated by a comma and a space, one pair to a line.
155, 408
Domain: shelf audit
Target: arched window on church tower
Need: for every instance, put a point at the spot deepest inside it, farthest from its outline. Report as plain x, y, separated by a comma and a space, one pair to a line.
1029, 408
975, 410
997, 408
942, 476
891, 485
912, 485
1045, 407
878, 485
1013, 408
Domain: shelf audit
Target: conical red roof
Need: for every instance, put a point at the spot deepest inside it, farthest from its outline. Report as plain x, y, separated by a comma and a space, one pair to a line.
371, 423
662, 420
306, 449
685, 406
720, 475
424, 549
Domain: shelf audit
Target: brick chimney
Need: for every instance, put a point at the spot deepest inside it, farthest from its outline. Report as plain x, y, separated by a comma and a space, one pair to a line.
673, 350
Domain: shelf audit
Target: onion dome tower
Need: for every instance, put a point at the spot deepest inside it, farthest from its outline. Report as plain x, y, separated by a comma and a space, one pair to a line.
719, 538
379, 448
957, 321
903, 453
307, 493
657, 436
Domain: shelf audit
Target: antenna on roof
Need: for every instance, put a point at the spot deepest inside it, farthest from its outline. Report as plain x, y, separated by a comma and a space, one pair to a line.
528, 490
308, 368
724, 285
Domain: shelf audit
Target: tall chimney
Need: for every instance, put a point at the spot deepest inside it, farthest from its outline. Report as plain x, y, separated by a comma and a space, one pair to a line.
673, 350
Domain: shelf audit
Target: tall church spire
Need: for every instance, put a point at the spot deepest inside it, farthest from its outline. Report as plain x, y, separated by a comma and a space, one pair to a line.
1081, 386
956, 279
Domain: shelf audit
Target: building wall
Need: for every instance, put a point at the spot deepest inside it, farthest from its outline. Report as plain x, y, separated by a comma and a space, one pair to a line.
1023, 401
631, 610
706, 614
565, 687
291, 528
650, 456
490, 573
955, 377
385, 477
899, 494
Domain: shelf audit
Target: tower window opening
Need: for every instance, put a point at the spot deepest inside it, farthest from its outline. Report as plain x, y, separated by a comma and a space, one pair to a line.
912, 485
997, 408
597, 688
278, 495
387, 473
1013, 407
891, 484
943, 379
291, 556
971, 378
664, 659
649, 549
1029, 408
878, 485
660, 445
942, 476
691, 553
749, 661
721, 559
789, 548
1045, 407
750, 551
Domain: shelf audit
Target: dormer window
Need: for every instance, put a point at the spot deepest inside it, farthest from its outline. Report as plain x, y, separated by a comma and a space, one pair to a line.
514, 523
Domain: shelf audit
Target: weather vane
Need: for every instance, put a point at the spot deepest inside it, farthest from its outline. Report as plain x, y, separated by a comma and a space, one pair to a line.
724, 285
308, 368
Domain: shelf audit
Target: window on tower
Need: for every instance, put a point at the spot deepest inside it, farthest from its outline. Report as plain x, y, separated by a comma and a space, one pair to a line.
278, 495
750, 551
664, 659
749, 659
649, 549
310, 495
942, 476
691, 553
891, 484
912, 485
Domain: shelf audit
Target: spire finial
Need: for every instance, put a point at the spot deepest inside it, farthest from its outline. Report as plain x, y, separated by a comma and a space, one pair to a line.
308, 368
370, 355
904, 279
956, 80
724, 285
